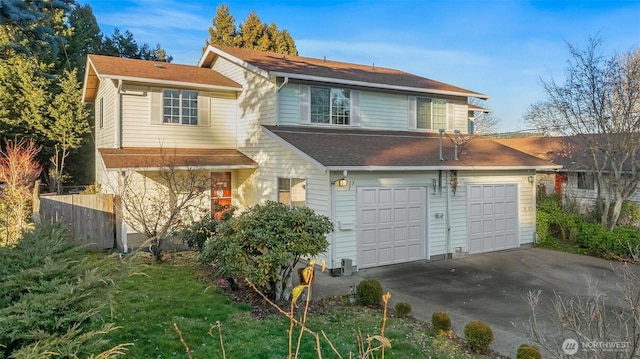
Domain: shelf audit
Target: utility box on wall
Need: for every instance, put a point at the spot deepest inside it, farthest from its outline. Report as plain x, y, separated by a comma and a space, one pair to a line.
346, 267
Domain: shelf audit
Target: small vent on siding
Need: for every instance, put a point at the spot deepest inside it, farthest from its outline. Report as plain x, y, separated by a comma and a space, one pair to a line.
159, 66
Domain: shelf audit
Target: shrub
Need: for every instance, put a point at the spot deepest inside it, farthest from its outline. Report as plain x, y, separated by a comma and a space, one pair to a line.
526, 351
264, 244
441, 322
369, 292
196, 234
629, 214
51, 294
478, 336
403, 309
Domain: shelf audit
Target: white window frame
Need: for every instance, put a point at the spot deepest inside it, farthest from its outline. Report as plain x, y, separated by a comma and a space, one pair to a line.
352, 114
187, 107
429, 125
289, 188
333, 115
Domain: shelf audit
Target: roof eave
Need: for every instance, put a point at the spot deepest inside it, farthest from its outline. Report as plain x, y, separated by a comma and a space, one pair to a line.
436, 168
295, 150
206, 60
182, 168
171, 83
376, 85
89, 69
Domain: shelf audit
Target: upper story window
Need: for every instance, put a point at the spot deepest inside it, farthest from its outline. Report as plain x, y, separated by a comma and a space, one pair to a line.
330, 105
180, 106
430, 113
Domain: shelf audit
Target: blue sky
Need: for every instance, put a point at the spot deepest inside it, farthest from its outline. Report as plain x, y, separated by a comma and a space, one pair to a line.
501, 48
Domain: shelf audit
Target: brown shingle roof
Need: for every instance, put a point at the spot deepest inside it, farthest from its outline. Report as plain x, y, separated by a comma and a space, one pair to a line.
99, 66
327, 69
156, 158
570, 152
335, 149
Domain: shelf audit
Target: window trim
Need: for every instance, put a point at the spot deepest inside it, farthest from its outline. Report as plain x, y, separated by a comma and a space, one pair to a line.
301, 180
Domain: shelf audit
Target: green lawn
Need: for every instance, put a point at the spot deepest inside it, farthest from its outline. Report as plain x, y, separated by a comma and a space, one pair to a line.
147, 305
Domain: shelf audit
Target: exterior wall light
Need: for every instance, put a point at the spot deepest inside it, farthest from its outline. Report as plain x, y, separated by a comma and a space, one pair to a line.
342, 182
530, 179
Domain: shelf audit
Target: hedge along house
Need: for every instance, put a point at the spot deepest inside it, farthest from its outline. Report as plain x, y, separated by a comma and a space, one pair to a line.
383, 153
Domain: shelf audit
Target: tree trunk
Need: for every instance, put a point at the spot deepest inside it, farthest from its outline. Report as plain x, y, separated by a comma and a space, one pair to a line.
615, 212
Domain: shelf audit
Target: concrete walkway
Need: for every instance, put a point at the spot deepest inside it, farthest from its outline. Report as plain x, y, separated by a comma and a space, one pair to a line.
489, 287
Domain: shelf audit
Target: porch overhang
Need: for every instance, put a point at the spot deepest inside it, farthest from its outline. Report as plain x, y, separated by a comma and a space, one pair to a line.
162, 159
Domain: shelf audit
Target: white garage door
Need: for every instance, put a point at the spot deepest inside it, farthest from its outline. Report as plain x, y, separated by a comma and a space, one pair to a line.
391, 225
492, 217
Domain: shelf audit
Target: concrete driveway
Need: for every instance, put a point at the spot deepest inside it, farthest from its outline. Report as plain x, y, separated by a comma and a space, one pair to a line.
492, 287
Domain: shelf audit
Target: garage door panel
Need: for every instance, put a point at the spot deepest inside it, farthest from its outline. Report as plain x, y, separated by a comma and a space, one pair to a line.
493, 218
400, 196
384, 216
398, 224
368, 197
384, 196
400, 253
369, 237
385, 255
384, 235
369, 216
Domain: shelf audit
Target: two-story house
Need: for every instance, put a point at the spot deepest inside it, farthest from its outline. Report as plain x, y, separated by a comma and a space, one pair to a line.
383, 153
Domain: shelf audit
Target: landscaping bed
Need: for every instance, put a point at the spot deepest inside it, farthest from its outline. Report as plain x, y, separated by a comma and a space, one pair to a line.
181, 292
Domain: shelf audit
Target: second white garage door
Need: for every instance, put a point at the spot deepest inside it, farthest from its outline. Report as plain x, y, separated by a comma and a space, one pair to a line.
492, 217
391, 225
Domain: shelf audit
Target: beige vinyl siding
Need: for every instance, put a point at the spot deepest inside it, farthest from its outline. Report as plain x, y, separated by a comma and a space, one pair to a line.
139, 131
105, 136
274, 160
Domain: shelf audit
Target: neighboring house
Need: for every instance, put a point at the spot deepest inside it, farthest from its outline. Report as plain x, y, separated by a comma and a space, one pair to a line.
357, 143
575, 179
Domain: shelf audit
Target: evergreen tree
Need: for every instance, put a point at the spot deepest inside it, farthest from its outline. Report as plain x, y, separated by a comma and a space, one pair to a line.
223, 30
27, 24
253, 33
67, 127
85, 38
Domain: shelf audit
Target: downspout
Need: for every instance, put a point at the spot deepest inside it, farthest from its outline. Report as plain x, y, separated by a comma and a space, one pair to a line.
286, 81
447, 221
118, 124
455, 143
332, 206
441, 132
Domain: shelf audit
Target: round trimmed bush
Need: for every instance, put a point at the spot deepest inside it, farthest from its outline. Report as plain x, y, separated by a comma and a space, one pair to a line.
526, 351
441, 322
478, 335
403, 309
369, 292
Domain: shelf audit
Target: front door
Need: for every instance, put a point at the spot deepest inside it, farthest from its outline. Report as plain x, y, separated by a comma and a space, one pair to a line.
220, 191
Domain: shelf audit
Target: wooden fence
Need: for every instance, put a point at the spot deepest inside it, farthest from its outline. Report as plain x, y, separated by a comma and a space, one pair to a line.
90, 218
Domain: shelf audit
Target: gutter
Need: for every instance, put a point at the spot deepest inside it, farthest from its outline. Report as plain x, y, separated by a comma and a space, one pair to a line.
118, 124
171, 83
377, 85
